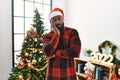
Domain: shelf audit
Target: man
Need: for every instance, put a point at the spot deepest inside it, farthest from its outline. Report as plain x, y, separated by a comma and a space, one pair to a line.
61, 45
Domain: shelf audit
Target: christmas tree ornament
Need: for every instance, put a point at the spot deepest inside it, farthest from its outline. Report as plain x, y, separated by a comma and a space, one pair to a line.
22, 58
35, 50
34, 19
41, 44
34, 61
20, 77
21, 64
41, 39
39, 59
26, 38
41, 51
26, 54
29, 64
30, 39
37, 21
28, 79
35, 39
25, 42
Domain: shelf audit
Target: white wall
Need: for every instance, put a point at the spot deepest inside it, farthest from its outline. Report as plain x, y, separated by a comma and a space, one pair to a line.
5, 39
96, 21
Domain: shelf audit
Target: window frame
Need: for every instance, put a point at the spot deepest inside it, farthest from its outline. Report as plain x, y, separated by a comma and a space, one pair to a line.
13, 26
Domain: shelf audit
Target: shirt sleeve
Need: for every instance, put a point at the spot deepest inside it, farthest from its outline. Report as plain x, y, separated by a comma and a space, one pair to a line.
50, 44
74, 49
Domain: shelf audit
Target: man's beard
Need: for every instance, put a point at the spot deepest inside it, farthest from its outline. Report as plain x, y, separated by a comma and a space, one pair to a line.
60, 28
61, 41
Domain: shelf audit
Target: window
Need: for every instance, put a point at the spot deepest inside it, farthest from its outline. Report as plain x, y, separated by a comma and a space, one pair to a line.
22, 18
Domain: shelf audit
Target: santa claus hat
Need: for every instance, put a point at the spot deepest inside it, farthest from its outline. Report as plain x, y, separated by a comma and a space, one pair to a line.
56, 12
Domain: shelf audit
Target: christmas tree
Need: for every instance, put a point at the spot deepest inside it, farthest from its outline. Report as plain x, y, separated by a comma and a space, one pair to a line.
32, 63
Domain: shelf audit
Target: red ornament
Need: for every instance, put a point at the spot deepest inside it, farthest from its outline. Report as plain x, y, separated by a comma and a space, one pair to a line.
22, 58
41, 39
32, 32
26, 38
21, 64
28, 79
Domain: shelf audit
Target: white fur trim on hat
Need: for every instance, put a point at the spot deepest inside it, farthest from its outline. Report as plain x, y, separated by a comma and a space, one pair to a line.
55, 13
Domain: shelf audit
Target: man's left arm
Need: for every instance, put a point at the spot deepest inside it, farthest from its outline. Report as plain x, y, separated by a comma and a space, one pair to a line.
74, 49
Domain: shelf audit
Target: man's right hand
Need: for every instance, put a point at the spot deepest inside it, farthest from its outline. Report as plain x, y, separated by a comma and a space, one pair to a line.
54, 27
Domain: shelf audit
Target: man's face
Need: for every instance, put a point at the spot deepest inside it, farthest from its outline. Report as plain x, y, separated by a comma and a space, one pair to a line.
57, 20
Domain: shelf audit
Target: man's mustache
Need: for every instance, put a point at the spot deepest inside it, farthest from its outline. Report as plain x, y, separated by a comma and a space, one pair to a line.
58, 25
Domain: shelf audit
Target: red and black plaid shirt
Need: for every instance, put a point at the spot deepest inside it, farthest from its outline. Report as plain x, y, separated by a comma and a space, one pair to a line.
61, 67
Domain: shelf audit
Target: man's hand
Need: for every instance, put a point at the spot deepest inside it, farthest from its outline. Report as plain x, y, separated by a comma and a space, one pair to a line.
54, 27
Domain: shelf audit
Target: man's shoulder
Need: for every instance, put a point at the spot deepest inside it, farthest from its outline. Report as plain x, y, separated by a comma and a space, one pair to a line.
49, 34
69, 28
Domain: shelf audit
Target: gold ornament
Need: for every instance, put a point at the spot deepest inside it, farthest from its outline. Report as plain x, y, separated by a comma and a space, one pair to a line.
34, 61
34, 19
20, 77
40, 59
41, 51
26, 54
29, 64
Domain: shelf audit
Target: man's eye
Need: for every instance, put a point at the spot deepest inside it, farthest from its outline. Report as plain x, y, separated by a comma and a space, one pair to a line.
60, 18
54, 20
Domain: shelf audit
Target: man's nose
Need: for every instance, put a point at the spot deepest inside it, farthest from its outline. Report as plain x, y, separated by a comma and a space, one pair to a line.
57, 21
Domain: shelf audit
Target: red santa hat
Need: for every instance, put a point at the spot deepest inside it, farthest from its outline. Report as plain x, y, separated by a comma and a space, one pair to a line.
56, 12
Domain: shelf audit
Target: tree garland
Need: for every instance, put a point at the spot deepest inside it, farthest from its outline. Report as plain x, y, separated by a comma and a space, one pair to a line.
113, 52
37, 69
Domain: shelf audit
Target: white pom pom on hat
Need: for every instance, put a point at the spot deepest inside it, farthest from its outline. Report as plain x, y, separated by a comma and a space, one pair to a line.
55, 12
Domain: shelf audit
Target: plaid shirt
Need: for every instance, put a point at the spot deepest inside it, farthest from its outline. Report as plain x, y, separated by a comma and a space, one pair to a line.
62, 67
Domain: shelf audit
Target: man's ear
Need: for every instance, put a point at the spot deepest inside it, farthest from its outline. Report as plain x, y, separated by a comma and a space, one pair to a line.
50, 21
